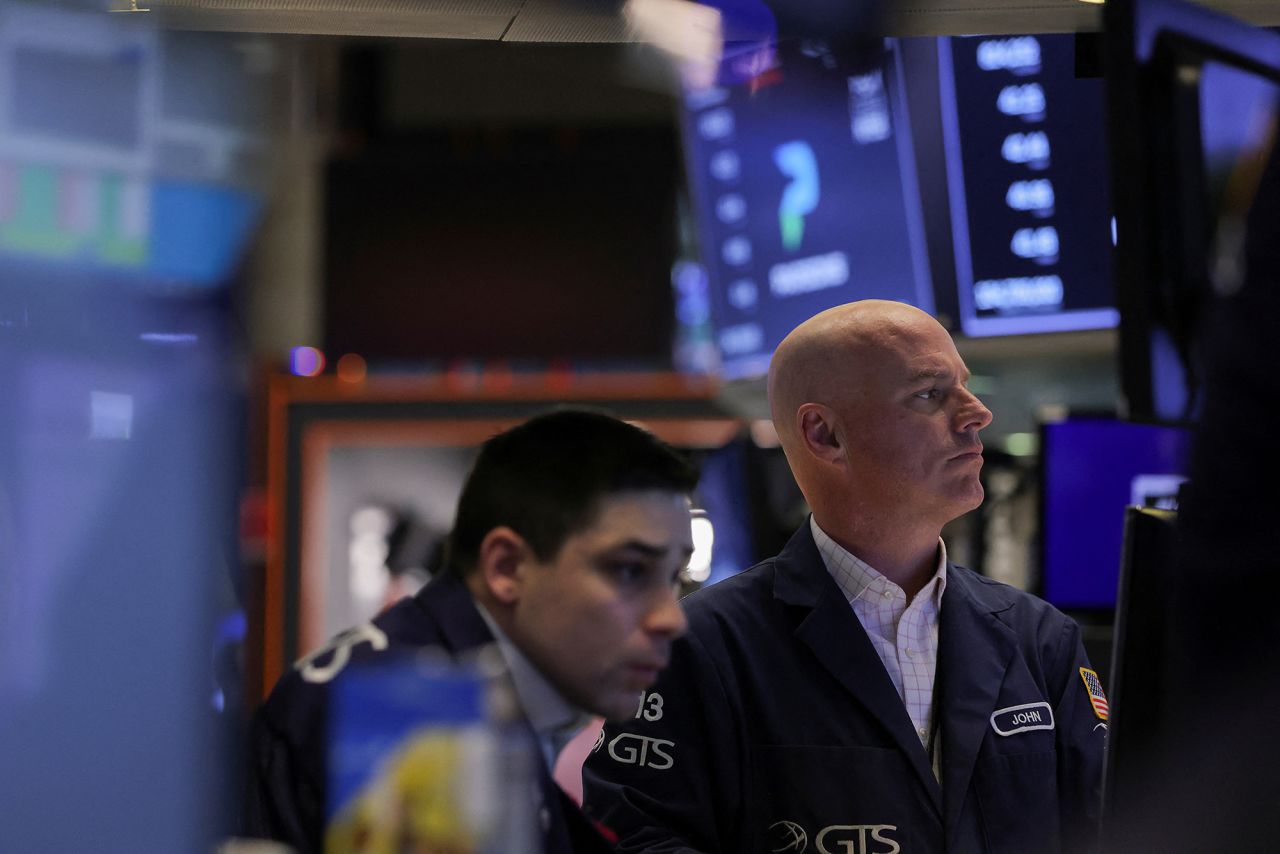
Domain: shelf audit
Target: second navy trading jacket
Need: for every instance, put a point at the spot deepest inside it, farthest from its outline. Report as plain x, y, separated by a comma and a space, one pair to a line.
777, 728
286, 779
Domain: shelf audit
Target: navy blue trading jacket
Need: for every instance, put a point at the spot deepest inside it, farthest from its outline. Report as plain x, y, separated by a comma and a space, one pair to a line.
285, 782
776, 728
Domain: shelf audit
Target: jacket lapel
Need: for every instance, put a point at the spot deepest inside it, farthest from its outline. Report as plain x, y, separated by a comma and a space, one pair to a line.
453, 614
974, 650
837, 639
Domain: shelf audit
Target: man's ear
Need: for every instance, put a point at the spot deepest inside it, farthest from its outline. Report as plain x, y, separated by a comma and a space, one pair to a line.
502, 551
818, 432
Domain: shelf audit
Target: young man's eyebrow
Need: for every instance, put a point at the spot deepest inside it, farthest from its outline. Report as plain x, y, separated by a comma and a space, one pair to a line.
647, 549
639, 546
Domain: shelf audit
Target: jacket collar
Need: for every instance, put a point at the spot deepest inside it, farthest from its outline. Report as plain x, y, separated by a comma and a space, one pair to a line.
975, 646
449, 607
832, 632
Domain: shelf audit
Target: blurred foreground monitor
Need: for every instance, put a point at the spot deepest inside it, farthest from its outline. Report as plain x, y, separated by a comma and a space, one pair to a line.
1194, 100
130, 162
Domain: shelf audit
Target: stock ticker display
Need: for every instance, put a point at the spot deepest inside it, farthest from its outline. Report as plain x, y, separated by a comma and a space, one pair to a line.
1026, 165
805, 185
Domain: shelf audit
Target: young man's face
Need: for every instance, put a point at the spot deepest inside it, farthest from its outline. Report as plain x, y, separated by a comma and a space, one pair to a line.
599, 617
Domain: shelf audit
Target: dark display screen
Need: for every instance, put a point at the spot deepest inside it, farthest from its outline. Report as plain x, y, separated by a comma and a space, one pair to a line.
1026, 164
1194, 98
1091, 470
805, 198
1236, 112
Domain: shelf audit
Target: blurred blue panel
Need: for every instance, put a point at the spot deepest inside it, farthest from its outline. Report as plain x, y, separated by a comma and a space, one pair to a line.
116, 491
119, 451
199, 233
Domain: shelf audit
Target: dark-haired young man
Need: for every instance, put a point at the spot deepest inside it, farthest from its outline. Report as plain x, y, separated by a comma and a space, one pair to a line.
570, 536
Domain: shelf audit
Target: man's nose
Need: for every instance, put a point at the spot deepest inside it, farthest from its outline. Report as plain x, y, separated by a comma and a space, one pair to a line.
973, 414
667, 615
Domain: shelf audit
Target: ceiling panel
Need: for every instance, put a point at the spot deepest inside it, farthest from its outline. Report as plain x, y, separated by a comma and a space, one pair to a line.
569, 21
445, 19
582, 21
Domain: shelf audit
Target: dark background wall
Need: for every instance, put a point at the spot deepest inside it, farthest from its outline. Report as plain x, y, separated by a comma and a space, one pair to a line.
464, 218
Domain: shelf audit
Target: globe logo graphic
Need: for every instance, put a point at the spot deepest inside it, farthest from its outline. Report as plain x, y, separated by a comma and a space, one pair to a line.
790, 837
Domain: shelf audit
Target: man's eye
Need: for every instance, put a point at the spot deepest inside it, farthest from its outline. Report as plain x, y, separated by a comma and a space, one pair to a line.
931, 394
629, 571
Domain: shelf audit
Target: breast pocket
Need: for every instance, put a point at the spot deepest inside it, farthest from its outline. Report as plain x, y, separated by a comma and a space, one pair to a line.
1018, 797
841, 800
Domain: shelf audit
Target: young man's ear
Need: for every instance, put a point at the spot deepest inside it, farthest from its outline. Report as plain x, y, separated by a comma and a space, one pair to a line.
501, 552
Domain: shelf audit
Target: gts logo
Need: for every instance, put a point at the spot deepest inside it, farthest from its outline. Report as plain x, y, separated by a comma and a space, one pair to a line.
787, 837
642, 750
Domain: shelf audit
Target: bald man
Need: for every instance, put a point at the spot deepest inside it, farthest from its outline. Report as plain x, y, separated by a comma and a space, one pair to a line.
859, 693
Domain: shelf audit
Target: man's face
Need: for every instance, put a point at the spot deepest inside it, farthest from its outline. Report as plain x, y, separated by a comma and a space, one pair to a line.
599, 617
911, 425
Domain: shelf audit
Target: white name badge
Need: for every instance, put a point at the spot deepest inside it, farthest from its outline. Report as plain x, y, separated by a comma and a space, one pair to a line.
1024, 718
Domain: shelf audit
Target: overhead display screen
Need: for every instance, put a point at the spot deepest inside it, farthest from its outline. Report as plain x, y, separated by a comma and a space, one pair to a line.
805, 197
1026, 165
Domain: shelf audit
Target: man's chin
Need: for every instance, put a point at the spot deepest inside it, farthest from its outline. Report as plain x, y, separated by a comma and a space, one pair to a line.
619, 706
967, 496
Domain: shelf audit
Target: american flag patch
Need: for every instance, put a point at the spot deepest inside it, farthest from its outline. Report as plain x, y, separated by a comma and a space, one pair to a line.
1093, 685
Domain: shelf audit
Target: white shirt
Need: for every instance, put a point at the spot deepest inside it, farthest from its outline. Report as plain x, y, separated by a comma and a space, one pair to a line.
904, 636
554, 720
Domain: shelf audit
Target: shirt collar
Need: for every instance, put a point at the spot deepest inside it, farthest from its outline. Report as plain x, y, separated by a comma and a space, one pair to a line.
554, 719
856, 577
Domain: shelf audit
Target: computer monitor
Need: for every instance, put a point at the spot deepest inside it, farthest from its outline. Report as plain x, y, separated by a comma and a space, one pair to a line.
1025, 157
804, 195
124, 210
1139, 680
1193, 98
127, 152
1091, 469
1193, 101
